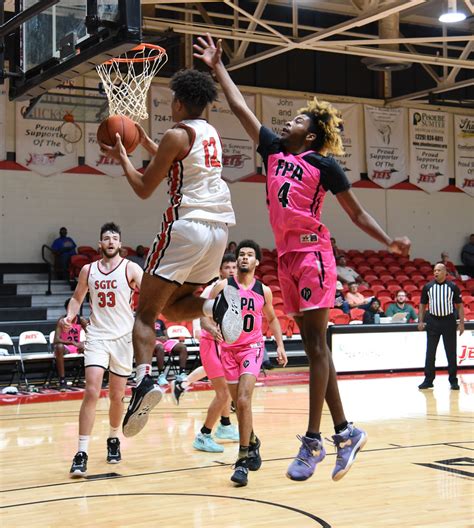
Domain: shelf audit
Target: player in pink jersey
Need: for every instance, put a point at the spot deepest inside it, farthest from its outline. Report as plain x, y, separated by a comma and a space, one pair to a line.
187, 251
242, 359
300, 170
210, 340
67, 341
110, 283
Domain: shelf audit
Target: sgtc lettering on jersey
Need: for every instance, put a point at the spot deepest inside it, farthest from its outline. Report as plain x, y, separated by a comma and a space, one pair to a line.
105, 284
289, 169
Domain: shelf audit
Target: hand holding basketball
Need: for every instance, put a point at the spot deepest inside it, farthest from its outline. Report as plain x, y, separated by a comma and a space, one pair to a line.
119, 124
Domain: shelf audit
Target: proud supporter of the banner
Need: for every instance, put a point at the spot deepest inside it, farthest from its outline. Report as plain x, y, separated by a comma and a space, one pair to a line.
464, 152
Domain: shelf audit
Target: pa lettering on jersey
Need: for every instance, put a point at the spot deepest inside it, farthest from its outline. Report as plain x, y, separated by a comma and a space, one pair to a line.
288, 169
249, 304
105, 284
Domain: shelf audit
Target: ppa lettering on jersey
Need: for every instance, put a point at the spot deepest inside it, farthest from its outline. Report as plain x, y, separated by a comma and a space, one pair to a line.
105, 284
289, 169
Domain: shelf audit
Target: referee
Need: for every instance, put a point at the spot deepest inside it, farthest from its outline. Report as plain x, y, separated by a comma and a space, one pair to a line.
442, 296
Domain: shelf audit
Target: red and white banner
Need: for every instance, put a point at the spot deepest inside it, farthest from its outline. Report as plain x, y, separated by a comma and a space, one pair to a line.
386, 145
464, 152
160, 111
238, 149
277, 111
353, 140
3, 123
47, 147
429, 140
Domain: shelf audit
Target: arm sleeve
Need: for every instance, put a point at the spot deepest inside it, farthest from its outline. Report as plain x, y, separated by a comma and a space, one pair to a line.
333, 178
424, 295
268, 143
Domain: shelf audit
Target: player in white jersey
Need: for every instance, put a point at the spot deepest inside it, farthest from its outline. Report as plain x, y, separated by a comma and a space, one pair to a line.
110, 283
187, 251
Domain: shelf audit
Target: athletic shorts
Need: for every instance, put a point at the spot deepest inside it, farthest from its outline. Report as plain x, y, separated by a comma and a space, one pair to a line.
242, 361
210, 352
168, 345
70, 349
307, 280
113, 354
188, 251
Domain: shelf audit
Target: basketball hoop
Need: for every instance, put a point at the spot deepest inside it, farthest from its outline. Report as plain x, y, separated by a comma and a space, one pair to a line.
127, 79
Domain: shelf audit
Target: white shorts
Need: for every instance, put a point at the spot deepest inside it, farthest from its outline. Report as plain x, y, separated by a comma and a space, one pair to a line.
188, 251
113, 354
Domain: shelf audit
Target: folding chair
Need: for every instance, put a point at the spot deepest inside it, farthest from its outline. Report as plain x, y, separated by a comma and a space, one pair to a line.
181, 333
10, 361
31, 345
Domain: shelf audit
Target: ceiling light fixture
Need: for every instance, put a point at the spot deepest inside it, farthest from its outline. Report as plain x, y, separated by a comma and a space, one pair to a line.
452, 14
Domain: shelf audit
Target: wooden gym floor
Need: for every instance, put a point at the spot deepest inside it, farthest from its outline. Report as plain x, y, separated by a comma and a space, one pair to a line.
417, 468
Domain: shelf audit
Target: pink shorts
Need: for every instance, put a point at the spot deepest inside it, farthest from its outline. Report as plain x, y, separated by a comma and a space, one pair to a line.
210, 358
242, 361
168, 345
70, 349
307, 280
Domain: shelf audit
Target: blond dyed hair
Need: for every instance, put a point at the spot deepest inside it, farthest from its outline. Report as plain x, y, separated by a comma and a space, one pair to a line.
327, 122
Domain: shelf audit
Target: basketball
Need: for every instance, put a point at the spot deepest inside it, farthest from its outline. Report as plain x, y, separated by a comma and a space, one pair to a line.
124, 126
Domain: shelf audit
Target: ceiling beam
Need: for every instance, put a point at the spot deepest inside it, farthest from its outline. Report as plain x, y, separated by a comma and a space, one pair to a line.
451, 77
443, 87
250, 28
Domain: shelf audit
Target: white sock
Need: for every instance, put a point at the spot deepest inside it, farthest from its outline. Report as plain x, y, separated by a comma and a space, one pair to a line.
142, 371
83, 443
207, 307
114, 432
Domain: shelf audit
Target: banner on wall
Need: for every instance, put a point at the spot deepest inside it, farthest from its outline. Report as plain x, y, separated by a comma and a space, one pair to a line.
238, 155
429, 136
160, 112
46, 147
353, 141
385, 140
464, 152
3, 122
276, 111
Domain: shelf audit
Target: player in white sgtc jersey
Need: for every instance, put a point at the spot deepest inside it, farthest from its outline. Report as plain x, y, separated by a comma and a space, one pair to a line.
110, 283
187, 251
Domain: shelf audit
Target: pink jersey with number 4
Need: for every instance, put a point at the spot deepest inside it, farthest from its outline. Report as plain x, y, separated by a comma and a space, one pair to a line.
296, 187
252, 303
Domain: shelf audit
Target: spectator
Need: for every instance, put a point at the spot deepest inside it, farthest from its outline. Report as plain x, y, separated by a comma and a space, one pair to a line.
355, 298
467, 256
345, 274
231, 247
123, 252
401, 307
63, 247
374, 309
450, 267
340, 301
67, 341
140, 256
335, 249
170, 346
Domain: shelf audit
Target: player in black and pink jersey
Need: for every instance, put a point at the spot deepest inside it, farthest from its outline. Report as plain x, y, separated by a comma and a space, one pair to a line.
242, 359
300, 169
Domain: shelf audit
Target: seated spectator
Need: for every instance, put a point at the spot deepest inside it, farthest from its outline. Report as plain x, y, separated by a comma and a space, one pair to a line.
467, 256
340, 302
345, 274
140, 256
401, 307
335, 249
64, 248
67, 342
170, 346
123, 252
231, 247
450, 267
374, 309
355, 298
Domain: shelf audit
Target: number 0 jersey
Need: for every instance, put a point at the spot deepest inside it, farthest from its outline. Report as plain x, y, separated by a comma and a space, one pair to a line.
252, 301
110, 301
195, 185
296, 187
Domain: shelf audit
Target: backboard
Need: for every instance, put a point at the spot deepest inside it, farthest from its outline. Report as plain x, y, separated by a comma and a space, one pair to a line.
69, 39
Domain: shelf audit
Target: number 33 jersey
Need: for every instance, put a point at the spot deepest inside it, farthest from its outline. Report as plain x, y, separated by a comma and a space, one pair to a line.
196, 189
296, 187
110, 301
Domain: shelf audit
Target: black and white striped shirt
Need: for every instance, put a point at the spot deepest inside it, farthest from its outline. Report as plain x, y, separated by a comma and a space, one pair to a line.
441, 297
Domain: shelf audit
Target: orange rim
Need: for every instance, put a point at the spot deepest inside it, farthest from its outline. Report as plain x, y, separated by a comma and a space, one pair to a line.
161, 51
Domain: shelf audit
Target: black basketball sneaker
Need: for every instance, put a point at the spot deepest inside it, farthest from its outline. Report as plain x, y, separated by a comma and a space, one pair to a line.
227, 314
79, 465
241, 471
254, 460
113, 451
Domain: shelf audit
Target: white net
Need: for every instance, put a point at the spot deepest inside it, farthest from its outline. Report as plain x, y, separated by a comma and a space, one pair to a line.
127, 79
